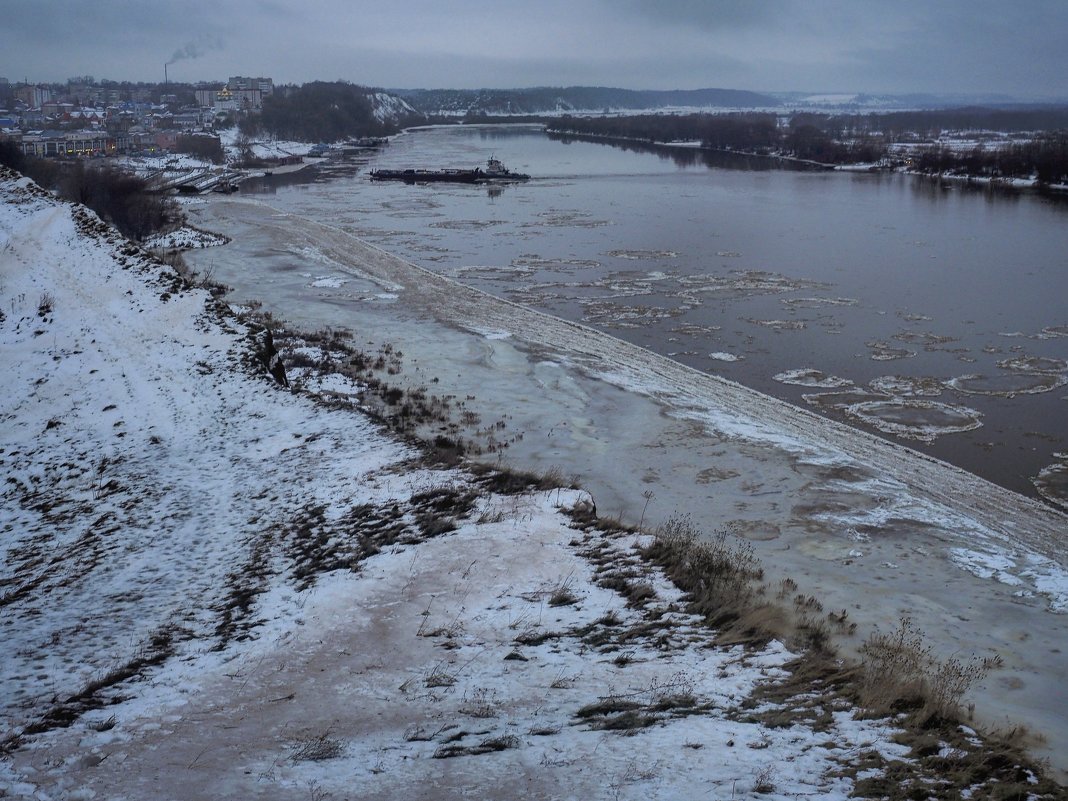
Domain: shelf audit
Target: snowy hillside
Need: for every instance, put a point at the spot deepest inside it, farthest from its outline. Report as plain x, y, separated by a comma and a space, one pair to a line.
390, 108
214, 586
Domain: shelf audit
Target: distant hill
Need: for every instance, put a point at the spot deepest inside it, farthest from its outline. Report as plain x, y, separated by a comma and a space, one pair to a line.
323, 111
548, 99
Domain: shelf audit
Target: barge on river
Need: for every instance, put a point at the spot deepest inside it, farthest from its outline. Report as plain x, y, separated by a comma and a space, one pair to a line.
494, 171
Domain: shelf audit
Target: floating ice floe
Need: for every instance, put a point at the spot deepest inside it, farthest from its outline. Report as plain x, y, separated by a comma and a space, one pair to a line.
907, 385
720, 356
778, 325
1007, 385
184, 238
466, 225
912, 317
748, 282
814, 303
566, 219
540, 263
810, 377
602, 312
925, 338
841, 400
637, 255
1052, 482
514, 270
885, 352
1034, 364
915, 419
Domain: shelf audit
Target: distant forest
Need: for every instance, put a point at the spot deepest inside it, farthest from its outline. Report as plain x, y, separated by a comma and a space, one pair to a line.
850, 138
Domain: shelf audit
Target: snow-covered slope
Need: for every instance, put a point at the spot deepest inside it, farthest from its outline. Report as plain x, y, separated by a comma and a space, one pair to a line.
144, 462
390, 108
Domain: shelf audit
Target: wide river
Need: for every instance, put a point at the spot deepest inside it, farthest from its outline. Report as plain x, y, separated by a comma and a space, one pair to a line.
932, 312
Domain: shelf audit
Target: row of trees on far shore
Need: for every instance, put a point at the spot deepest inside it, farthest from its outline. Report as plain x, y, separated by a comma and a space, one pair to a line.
1041, 152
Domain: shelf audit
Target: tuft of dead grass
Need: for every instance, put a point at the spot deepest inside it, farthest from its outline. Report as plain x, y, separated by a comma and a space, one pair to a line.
719, 573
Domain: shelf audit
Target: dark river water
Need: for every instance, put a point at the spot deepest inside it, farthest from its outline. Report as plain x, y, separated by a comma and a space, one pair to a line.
932, 313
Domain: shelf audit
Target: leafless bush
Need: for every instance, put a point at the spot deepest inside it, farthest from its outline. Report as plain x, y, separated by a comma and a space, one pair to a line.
764, 781
439, 676
481, 703
103, 725
317, 749
900, 672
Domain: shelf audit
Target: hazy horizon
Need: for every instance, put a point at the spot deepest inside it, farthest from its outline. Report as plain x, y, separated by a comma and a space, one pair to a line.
956, 47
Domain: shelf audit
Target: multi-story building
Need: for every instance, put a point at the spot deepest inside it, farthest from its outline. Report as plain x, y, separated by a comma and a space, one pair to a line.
265, 86
74, 143
34, 96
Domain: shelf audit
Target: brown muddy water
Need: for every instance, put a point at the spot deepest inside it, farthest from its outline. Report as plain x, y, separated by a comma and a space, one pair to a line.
931, 313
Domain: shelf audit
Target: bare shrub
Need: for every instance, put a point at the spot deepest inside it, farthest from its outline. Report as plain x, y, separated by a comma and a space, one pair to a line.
481, 703
103, 725
439, 676
317, 749
487, 746
900, 673
764, 782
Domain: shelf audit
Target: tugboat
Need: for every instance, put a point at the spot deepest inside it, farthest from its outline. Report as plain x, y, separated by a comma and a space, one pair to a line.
495, 172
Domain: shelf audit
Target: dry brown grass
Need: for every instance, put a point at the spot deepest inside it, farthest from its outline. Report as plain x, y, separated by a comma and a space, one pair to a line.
720, 573
901, 674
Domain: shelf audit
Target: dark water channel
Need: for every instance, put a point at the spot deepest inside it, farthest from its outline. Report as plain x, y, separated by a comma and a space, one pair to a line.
933, 313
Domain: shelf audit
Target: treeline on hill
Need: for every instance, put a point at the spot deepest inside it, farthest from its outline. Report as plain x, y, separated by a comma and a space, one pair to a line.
846, 139
749, 132
322, 112
118, 197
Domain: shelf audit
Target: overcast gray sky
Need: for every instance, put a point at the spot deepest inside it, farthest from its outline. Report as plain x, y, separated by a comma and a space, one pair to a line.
946, 46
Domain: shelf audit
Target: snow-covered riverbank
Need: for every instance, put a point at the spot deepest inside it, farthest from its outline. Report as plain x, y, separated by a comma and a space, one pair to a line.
214, 587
